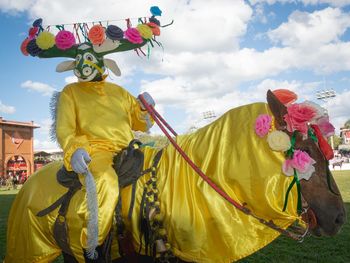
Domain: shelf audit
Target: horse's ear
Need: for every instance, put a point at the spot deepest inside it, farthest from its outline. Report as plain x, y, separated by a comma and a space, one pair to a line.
278, 110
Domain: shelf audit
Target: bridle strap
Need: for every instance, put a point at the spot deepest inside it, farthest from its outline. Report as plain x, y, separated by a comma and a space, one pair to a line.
308, 214
297, 234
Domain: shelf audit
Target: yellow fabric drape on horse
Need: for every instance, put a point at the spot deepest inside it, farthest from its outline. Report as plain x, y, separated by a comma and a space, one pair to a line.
201, 225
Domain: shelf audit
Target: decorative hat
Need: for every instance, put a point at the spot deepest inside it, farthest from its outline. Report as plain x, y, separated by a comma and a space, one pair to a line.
88, 46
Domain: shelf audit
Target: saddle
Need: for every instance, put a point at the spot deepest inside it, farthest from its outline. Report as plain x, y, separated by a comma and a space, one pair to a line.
128, 165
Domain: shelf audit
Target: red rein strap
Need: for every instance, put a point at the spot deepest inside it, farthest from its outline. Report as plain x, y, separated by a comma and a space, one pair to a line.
298, 234
160, 121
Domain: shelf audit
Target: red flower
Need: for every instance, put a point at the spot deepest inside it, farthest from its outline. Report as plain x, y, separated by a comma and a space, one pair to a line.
298, 117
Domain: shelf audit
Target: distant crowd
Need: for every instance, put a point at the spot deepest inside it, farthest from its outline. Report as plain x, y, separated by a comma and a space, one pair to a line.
12, 180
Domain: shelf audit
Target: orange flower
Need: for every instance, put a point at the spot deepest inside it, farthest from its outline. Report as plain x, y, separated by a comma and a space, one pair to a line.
97, 34
155, 28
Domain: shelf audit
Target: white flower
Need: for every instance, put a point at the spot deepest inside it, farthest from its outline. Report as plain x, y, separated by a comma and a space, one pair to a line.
308, 173
278, 141
320, 112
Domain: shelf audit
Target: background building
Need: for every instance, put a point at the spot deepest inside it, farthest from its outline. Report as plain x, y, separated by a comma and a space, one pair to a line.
41, 158
16, 148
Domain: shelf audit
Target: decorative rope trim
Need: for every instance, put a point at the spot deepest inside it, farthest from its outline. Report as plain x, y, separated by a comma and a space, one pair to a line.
92, 225
53, 112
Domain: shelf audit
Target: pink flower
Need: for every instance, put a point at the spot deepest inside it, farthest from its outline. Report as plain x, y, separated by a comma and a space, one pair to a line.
302, 162
262, 125
288, 167
64, 39
133, 35
298, 117
327, 129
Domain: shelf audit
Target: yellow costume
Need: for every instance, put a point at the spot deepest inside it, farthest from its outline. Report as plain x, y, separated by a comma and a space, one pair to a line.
99, 117
201, 226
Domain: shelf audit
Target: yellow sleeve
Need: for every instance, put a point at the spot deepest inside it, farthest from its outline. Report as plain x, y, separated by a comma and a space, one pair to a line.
140, 119
66, 128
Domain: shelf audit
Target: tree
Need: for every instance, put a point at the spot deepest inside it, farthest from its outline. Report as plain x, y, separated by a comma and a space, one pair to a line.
347, 124
336, 141
157, 141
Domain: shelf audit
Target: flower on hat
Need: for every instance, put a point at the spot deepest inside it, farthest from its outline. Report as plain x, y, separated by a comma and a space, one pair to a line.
32, 48
155, 28
97, 34
155, 11
263, 124
24, 47
45, 40
278, 141
33, 31
145, 31
64, 39
115, 33
133, 35
38, 22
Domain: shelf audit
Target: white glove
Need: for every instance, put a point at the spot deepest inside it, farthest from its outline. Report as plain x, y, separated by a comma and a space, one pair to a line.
148, 98
79, 161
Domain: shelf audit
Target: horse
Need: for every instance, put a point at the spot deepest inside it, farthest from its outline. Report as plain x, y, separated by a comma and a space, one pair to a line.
337, 163
175, 213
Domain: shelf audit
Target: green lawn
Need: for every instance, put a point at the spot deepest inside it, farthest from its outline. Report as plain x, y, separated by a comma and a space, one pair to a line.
325, 249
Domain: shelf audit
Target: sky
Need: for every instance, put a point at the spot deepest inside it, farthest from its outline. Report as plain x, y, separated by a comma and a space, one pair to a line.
217, 55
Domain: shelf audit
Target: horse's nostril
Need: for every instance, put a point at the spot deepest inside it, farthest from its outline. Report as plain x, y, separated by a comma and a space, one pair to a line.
340, 219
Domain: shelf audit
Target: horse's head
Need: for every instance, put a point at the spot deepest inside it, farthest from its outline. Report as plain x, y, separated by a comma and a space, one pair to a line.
320, 191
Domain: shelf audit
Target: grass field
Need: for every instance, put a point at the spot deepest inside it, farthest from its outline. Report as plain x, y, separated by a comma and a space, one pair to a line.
320, 250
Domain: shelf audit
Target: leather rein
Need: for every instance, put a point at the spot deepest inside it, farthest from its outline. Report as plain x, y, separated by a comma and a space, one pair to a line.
295, 232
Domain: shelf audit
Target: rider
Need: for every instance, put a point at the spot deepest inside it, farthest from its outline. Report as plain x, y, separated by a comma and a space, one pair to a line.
94, 121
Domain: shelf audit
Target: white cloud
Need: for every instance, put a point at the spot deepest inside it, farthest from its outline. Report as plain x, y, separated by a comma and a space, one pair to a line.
42, 145
304, 90
44, 89
70, 79
310, 30
42, 139
45, 126
6, 108
336, 3
15, 6
176, 93
339, 108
